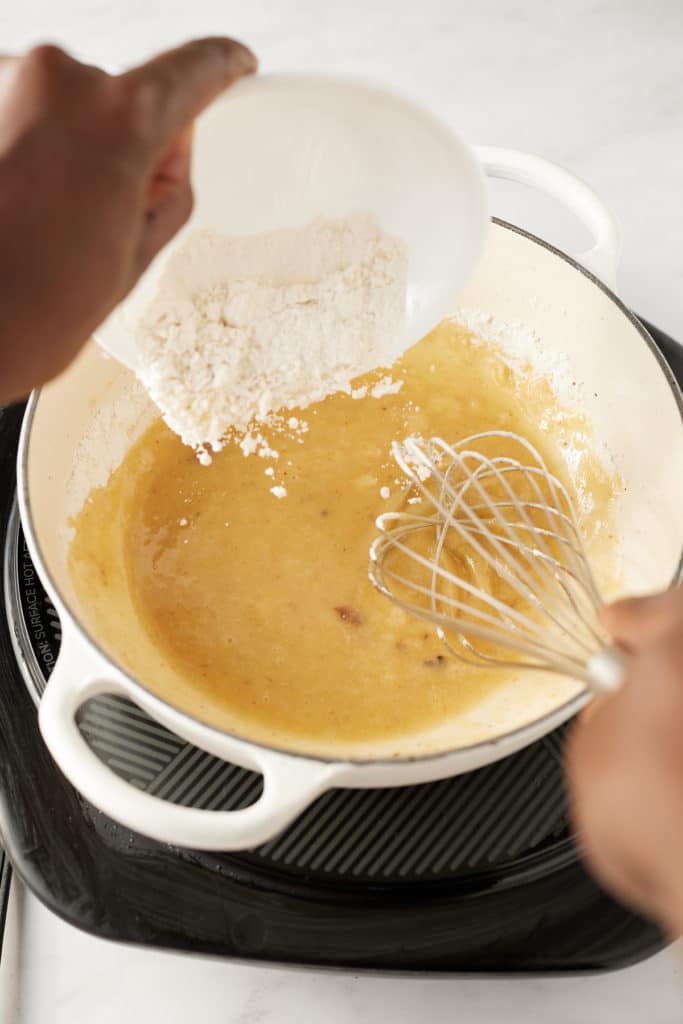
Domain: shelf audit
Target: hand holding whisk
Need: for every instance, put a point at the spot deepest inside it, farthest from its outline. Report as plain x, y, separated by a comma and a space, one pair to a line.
490, 551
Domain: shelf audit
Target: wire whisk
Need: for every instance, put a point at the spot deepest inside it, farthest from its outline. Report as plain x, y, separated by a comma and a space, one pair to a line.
487, 547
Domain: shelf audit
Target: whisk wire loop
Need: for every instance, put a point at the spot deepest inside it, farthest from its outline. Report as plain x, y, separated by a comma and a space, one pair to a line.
493, 556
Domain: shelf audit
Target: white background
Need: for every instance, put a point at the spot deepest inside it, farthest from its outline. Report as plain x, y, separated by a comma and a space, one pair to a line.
596, 85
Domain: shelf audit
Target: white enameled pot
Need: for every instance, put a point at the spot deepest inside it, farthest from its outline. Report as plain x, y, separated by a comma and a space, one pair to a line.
78, 428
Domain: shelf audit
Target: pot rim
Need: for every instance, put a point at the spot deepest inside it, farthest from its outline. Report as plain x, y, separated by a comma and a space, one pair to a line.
554, 717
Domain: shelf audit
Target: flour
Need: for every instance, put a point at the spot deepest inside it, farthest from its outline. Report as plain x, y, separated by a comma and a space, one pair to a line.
242, 329
385, 386
523, 350
520, 348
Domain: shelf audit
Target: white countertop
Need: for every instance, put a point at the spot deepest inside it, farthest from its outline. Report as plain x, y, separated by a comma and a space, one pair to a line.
595, 86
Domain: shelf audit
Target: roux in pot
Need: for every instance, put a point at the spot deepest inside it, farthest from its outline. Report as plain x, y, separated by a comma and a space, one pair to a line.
262, 606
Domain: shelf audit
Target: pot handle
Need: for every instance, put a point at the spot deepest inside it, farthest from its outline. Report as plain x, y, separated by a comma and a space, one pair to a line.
527, 169
290, 783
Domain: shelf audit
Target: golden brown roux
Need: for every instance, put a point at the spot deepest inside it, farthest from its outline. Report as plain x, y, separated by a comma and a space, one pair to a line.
264, 605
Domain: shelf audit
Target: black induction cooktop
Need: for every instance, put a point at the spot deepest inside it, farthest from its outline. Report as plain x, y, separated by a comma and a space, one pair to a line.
477, 873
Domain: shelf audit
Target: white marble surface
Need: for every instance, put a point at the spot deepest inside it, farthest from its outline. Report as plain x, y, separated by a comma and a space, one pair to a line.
594, 85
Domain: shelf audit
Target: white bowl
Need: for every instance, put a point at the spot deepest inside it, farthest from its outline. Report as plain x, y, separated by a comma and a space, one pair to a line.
277, 151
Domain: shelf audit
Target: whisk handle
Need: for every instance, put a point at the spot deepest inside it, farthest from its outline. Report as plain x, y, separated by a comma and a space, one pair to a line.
607, 670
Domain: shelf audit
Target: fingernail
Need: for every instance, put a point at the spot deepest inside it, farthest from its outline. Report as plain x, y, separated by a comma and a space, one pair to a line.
249, 59
233, 51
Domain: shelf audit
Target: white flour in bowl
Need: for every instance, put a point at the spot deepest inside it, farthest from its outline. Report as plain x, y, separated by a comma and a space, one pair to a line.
241, 327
